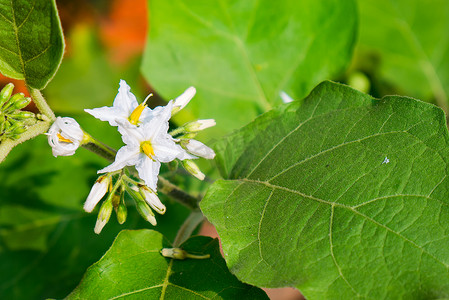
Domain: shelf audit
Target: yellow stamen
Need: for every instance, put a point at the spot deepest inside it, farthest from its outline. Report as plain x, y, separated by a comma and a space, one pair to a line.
63, 139
147, 148
135, 115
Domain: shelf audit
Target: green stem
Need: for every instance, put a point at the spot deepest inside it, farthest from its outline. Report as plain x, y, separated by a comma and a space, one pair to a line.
187, 228
41, 104
98, 147
168, 188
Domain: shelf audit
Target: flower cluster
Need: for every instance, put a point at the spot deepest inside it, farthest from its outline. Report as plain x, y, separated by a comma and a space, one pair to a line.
148, 143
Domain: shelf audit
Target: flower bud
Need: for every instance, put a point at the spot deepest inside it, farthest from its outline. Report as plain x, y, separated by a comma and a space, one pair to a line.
178, 253
152, 199
21, 102
97, 192
103, 215
121, 212
183, 100
197, 148
145, 211
22, 115
10, 105
199, 125
193, 169
6, 93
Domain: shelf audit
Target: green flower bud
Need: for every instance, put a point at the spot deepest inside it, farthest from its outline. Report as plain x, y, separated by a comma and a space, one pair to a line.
178, 253
121, 212
22, 115
193, 169
145, 211
21, 103
9, 107
6, 93
103, 215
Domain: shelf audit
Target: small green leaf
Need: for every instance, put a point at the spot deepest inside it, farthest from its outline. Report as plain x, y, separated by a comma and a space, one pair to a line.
134, 268
341, 195
31, 41
240, 54
409, 40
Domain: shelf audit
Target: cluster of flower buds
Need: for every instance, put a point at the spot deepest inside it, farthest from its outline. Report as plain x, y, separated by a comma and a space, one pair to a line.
13, 120
117, 185
184, 136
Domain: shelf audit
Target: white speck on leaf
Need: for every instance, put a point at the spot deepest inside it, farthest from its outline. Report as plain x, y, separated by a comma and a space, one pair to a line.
386, 160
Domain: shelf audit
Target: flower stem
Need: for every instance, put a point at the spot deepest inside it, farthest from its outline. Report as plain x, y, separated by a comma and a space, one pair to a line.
41, 104
187, 228
165, 186
98, 147
173, 191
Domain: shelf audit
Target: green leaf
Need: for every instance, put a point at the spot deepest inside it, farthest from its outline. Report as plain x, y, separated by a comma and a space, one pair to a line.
31, 43
46, 239
134, 268
241, 54
341, 195
410, 40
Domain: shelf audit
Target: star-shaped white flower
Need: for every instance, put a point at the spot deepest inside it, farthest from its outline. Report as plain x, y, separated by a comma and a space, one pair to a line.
147, 146
125, 110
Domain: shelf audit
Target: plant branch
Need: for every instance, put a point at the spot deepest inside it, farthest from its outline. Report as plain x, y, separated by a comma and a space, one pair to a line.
41, 104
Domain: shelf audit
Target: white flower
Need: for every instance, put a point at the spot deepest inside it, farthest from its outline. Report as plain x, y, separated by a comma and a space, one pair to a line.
125, 110
147, 146
97, 192
152, 199
197, 148
285, 97
65, 136
183, 99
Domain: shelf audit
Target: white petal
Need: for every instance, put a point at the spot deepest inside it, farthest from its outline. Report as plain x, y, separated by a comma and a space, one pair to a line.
200, 125
285, 97
184, 99
132, 135
97, 192
125, 100
109, 114
159, 124
148, 171
126, 156
153, 200
199, 149
166, 150
69, 129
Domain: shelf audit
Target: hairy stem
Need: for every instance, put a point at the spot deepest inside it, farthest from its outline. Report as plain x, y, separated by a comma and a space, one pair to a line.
41, 104
98, 147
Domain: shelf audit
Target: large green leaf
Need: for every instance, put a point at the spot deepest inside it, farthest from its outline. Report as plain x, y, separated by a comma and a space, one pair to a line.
411, 40
133, 268
342, 196
31, 40
241, 54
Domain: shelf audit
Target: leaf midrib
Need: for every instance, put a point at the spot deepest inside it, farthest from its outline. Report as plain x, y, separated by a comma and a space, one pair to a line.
351, 209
